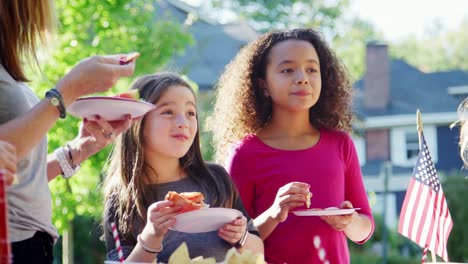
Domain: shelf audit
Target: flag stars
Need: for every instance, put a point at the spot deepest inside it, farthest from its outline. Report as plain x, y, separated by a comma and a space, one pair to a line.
425, 171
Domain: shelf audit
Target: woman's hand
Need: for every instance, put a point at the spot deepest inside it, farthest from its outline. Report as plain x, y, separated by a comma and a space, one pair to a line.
92, 75
95, 135
289, 196
7, 162
233, 231
341, 222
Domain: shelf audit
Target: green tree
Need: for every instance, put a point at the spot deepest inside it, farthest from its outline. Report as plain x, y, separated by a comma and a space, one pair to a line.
265, 15
456, 192
89, 27
438, 50
350, 44
346, 34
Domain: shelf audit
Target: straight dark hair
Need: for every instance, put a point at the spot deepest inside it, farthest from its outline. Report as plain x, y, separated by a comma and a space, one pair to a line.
126, 166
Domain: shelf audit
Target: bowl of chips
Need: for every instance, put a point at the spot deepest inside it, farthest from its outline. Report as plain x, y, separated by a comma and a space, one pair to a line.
181, 256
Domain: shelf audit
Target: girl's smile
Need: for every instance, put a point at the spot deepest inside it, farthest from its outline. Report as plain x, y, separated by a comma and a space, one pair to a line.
293, 79
173, 121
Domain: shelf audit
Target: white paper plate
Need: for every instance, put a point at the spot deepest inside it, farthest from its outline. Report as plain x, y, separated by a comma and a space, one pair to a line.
109, 108
319, 212
205, 219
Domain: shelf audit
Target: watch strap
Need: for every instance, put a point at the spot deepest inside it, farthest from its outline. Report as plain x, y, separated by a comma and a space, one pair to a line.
55, 94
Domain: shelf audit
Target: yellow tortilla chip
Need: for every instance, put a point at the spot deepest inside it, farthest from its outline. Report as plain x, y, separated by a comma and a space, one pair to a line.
180, 255
201, 260
308, 199
244, 257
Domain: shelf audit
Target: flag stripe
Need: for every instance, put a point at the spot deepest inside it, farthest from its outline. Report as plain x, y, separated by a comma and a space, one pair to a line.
419, 210
425, 217
408, 206
433, 242
427, 222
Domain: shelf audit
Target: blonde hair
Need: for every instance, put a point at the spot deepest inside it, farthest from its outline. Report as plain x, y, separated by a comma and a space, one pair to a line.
24, 24
463, 118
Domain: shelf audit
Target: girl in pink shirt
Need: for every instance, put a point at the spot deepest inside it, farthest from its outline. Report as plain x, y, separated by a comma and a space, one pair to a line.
280, 123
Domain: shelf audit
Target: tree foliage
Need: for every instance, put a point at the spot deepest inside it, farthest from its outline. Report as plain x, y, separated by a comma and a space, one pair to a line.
456, 192
347, 35
89, 27
439, 50
265, 15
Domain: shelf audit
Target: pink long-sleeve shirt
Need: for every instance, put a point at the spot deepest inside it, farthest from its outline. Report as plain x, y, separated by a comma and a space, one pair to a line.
331, 168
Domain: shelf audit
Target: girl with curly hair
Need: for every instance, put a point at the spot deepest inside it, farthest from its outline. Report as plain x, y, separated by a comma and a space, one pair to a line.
280, 124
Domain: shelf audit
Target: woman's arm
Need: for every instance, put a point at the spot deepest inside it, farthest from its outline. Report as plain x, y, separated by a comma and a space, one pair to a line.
27, 130
96, 74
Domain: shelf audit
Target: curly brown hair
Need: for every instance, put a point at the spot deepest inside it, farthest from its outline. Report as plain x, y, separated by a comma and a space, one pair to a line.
242, 108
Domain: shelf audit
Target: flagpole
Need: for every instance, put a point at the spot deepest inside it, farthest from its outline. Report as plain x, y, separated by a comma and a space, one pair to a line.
420, 130
419, 126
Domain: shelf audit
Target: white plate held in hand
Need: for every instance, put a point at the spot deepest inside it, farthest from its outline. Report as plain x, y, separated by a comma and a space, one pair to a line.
109, 108
320, 212
205, 219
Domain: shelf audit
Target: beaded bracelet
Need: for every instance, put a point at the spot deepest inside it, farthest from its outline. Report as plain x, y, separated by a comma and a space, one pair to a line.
71, 157
67, 169
241, 242
148, 249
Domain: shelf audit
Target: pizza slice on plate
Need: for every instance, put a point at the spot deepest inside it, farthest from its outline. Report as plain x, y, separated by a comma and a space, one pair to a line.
189, 201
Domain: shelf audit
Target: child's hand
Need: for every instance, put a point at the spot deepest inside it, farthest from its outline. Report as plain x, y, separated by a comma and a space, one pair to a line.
289, 196
160, 217
340, 222
233, 231
7, 162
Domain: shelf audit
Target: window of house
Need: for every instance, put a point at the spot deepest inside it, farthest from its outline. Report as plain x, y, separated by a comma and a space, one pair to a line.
360, 146
404, 144
412, 145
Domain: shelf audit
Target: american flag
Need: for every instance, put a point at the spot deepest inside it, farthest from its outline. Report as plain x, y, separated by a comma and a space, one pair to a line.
425, 217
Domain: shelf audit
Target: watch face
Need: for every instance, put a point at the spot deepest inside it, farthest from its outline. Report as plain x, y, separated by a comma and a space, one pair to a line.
54, 101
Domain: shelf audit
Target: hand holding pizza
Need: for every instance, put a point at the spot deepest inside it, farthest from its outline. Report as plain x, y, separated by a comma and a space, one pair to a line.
160, 217
288, 197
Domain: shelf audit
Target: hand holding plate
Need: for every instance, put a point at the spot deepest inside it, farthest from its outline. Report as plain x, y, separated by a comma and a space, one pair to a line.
233, 232
341, 222
95, 135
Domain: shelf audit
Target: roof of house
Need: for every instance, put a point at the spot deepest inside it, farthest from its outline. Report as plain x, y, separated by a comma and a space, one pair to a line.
412, 89
215, 45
